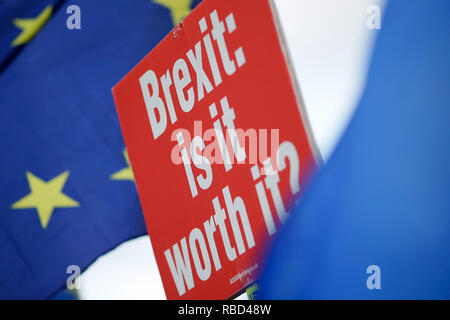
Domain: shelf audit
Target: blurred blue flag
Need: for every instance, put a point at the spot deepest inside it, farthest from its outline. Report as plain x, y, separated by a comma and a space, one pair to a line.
67, 193
375, 223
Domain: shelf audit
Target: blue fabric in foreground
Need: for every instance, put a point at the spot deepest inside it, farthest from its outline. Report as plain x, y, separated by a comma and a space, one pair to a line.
384, 196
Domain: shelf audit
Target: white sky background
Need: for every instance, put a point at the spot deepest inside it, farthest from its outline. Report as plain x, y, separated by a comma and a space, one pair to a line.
330, 46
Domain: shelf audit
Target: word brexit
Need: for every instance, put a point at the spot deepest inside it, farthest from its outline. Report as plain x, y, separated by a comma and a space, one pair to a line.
180, 77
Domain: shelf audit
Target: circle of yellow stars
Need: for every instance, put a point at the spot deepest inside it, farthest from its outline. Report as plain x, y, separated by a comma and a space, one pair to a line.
46, 196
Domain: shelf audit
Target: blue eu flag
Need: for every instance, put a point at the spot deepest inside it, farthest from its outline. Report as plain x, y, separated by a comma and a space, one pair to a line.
375, 223
67, 193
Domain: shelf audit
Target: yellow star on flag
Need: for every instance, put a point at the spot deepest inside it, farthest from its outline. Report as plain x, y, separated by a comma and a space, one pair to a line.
178, 8
46, 196
125, 173
31, 26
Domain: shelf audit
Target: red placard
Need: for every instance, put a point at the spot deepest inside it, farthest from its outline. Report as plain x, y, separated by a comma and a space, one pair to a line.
219, 144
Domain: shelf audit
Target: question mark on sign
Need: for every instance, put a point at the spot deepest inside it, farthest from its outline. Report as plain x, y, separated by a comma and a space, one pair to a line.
287, 151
